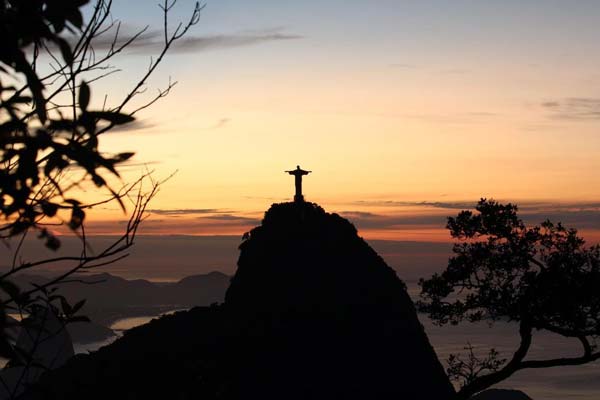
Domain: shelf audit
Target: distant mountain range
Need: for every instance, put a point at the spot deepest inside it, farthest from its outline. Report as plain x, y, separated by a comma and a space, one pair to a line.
109, 298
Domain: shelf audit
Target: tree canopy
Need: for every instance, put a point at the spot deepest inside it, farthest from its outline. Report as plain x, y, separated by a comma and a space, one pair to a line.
543, 277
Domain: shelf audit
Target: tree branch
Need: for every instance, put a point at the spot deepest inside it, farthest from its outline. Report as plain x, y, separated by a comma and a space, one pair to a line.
483, 382
560, 362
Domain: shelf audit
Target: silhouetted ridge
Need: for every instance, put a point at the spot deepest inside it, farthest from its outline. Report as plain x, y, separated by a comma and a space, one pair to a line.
302, 257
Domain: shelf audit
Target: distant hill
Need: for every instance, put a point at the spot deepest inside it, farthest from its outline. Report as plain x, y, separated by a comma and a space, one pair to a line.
110, 298
109, 291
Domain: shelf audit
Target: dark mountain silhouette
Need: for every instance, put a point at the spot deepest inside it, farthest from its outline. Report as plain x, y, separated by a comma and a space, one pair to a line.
312, 313
335, 319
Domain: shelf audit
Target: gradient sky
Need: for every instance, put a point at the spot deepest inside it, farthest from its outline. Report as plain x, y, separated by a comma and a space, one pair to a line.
406, 111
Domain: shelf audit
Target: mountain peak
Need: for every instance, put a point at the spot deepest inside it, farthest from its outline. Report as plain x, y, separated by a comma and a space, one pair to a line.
329, 304
302, 256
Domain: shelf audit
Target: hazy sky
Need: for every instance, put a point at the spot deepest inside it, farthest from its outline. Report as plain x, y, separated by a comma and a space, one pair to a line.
390, 103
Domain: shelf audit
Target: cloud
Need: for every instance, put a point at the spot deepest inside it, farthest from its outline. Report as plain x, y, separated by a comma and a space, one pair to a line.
134, 126
357, 214
232, 218
471, 117
425, 225
581, 220
213, 214
210, 216
129, 164
571, 219
194, 44
365, 220
434, 204
223, 122
152, 41
483, 114
184, 211
454, 71
523, 205
403, 66
578, 215
573, 108
274, 199
551, 104
178, 224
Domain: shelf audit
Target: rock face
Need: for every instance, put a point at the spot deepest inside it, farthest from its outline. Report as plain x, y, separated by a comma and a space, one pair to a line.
312, 313
339, 322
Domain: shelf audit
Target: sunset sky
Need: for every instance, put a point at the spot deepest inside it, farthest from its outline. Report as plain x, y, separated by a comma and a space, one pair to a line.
406, 111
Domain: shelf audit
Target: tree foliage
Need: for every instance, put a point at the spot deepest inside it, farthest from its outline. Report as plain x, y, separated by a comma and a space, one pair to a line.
50, 131
543, 277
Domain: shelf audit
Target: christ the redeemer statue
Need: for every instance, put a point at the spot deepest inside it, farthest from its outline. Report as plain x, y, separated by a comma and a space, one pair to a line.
298, 174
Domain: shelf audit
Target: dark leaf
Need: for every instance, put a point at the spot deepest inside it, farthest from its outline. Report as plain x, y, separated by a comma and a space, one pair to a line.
12, 126
52, 242
76, 18
79, 318
61, 125
19, 100
55, 162
6, 349
98, 180
49, 209
35, 85
113, 117
11, 289
84, 96
121, 157
66, 307
88, 121
43, 138
92, 143
78, 306
77, 217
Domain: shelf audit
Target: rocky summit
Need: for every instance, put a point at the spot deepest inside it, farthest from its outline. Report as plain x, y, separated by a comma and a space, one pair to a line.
312, 313
339, 322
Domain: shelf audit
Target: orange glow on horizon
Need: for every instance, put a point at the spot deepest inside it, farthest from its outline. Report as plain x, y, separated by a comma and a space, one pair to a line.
212, 226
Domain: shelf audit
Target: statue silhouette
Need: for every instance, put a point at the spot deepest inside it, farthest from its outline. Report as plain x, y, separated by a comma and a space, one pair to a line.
298, 174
